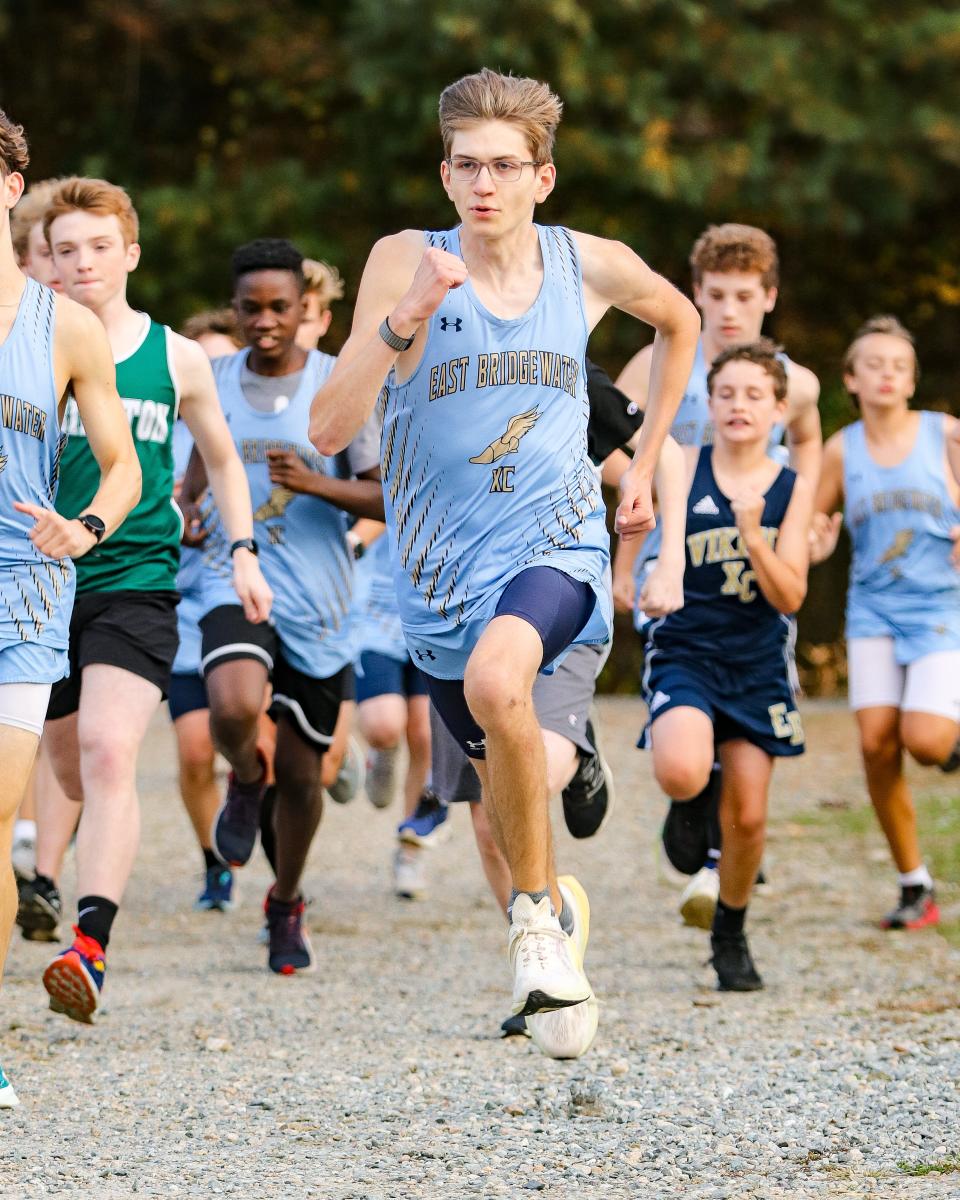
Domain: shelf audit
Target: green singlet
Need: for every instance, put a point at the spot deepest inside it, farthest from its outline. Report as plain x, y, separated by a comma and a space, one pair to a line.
144, 553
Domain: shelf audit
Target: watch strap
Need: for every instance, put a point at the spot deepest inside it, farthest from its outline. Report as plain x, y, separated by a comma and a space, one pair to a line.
244, 544
394, 340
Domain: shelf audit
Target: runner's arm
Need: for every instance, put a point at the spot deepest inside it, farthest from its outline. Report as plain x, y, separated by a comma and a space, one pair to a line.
405, 284
204, 417
782, 572
827, 519
361, 496
663, 588
83, 364
804, 435
634, 379
615, 277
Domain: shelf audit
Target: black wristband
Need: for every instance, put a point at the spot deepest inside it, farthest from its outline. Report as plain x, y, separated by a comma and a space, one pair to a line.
244, 544
394, 340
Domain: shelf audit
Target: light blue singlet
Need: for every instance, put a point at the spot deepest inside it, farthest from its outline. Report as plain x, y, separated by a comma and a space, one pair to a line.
485, 465
902, 582
36, 591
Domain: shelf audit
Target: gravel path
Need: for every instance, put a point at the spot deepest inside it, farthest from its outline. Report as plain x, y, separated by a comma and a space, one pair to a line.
382, 1074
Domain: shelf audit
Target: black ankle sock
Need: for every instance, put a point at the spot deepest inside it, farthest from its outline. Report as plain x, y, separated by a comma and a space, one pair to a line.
96, 914
210, 859
728, 922
38, 878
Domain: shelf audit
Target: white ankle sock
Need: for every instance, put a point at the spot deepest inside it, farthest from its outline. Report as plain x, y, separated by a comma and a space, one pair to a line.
917, 878
25, 831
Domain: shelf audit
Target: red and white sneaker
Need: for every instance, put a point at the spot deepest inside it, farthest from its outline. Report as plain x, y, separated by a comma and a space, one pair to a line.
917, 909
75, 979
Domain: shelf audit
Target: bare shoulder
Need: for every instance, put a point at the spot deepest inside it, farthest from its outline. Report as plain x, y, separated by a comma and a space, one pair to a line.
833, 449
398, 251
74, 322
803, 387
599, 256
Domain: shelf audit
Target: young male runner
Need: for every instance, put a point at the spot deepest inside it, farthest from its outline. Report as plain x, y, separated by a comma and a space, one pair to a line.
716, 677
48, 345
323, 284
299, 500
123, 633
495, 516
30, 244
897, 474
736, 276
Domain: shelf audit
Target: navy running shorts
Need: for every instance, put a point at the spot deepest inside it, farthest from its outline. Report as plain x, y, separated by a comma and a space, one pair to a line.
382, 675
756, 702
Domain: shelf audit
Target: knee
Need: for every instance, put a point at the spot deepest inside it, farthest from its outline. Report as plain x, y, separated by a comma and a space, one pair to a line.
680, 775
233, 719
495, 695
105, 759
880, 748
748, 821
382, 732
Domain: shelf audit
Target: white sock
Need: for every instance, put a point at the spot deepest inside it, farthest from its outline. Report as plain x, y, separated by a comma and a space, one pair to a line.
918, 878
25, 831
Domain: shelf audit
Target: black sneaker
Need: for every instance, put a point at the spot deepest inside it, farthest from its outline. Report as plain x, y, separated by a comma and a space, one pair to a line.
688, 830
237, 823
588, 797
917, 908
953, 762
515, 1027
39, 909
733, 964
290, 950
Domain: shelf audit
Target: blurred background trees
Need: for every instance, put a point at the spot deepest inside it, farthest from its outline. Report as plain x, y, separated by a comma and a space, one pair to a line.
832, 123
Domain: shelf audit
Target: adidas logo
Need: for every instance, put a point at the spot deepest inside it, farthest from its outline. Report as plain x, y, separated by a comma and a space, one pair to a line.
706, 507
658, 701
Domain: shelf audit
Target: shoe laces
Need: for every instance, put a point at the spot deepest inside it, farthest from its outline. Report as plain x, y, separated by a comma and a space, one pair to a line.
87, 946
536, 944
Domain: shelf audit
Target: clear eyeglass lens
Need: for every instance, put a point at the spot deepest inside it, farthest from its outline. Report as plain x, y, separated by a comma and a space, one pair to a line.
505, 170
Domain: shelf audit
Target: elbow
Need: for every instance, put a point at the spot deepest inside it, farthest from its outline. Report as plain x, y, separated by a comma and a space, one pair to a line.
792, 600
136, 483
321, 437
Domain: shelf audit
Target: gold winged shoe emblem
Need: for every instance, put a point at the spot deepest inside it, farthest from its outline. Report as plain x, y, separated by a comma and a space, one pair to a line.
509, 443
275, 505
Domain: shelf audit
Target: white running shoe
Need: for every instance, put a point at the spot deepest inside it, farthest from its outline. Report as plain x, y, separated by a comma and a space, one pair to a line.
24, 852
547, 971
351, 777
409, 873
8, 1097
569, 1032
382, 776
698, 901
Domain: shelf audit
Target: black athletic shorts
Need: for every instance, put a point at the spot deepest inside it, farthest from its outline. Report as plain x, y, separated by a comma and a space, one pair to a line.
311, 705
187, 693
135, 631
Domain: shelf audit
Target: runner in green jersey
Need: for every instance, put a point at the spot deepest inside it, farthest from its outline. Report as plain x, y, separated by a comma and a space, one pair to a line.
123, 636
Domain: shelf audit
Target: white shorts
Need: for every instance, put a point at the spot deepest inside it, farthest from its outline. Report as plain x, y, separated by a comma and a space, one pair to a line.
24, 705
876, 680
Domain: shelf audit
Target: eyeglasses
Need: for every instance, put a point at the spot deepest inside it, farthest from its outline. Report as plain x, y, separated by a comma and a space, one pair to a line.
500, 170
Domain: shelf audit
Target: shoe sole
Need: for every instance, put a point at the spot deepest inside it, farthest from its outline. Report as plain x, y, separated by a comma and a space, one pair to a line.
541, 1002
38, 922
931, 917
698, 912
410, 837
72, 991
228, 862
752, 987
223, 906
567, 1033
8, 1097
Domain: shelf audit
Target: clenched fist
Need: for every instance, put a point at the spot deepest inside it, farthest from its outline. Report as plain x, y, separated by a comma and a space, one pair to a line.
438, 272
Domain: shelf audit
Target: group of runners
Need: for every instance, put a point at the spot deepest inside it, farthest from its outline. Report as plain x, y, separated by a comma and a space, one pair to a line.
410, 537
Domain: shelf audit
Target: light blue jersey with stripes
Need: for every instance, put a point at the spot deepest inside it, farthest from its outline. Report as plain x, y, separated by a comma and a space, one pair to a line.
376, 613
484, 461
189, 576
304, 554
902, 582
36, 591
693, 426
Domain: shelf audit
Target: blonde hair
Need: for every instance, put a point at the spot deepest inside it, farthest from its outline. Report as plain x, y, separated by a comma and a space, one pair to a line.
30, 209
892, 327
323, 280
764, 353
14, 154
734, 247
490, 96
78, 193
213, 320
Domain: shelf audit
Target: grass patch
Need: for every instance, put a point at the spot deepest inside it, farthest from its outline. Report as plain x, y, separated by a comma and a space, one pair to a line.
946, 1166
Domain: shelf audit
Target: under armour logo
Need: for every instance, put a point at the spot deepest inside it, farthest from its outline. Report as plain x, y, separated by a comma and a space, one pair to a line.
446, 322
423, 655
481, 745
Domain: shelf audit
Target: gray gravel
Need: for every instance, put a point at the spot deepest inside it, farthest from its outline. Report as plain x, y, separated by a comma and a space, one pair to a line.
382, 1074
